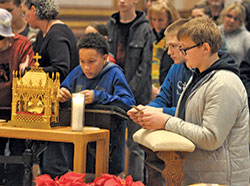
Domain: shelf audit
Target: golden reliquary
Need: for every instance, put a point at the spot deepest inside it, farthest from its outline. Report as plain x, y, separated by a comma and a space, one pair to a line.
35, 98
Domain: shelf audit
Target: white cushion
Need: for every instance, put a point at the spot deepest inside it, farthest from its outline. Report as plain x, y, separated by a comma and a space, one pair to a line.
162, 140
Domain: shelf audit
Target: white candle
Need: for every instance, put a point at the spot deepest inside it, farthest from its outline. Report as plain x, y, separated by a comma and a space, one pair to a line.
77, 111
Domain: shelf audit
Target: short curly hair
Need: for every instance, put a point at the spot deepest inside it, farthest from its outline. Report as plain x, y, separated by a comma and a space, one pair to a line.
15, 2
94, 41
45, 9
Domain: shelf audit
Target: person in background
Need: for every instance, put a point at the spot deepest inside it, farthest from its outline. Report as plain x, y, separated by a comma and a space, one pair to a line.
56, 44
246, 4
130, 40
19, 25
102, 29
216, 7
16, 53
201, 10
212, 111
160, 14
171, 89
177, 78
102, 82
234, 31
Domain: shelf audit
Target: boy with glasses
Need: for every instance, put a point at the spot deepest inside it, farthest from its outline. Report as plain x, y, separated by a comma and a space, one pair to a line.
212, 111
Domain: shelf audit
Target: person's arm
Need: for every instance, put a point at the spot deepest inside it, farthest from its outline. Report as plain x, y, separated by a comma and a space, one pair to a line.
26, 53
245, 73
59, 56
164, 98
223, 104
121, 97
70, 81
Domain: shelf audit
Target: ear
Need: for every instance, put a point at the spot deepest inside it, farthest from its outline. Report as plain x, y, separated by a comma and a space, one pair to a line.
33, 9
105, 58
136, 1
206, 48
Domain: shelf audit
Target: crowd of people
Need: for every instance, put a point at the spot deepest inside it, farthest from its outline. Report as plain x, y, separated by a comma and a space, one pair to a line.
189, 75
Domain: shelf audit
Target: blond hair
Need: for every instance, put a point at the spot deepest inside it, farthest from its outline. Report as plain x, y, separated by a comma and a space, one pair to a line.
201, 30
164, 6
238, 8
173, 28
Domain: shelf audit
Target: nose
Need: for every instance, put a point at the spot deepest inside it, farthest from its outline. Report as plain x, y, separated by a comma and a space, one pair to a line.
86, 67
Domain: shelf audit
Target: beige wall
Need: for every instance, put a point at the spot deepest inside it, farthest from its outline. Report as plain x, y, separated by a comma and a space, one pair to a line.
179, 4
88, 3
184, 4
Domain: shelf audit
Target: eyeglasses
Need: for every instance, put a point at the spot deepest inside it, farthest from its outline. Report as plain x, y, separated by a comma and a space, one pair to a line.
1, 38
232, 17
184, 50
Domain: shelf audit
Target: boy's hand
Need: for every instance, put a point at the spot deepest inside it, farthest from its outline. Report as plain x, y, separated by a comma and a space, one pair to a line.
153, 108
149, 117
64, 95
153, 120
89, 96
135, 114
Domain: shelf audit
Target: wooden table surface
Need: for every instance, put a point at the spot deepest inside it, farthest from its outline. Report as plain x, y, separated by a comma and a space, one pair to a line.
80, 139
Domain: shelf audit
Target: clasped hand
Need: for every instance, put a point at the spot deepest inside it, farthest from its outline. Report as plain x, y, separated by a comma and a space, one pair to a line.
149, 117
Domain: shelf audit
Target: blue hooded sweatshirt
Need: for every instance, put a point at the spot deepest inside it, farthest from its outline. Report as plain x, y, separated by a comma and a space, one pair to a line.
172, 88
110, 86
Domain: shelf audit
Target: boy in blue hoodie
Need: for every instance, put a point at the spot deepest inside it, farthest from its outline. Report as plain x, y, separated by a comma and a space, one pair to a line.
102, 82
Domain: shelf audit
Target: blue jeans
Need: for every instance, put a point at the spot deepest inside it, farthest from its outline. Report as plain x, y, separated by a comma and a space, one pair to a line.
136, 154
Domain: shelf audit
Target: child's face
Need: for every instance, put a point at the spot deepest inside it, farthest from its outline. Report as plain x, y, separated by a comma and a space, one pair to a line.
159, 21
193, 53
198, 12
173, 49
91, 62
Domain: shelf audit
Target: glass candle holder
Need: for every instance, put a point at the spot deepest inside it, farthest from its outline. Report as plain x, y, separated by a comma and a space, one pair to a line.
77, 111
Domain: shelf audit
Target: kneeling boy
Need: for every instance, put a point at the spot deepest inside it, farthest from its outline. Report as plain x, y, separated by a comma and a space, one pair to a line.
102, 82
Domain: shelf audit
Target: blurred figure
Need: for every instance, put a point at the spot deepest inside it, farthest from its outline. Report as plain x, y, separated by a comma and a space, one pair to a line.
205, 11
216, 7
19, 25
16, 53
97, 27
160, 14
56, 44
233, 29
102, 29
130, 40
246, 4
200, 11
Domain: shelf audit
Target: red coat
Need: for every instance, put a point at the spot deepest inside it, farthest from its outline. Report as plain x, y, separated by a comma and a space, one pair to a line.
9, 61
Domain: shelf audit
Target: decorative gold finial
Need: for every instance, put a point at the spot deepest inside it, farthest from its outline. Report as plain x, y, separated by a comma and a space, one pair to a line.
37, 57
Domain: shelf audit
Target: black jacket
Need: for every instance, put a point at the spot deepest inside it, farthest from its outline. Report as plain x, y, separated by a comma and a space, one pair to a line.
138, 59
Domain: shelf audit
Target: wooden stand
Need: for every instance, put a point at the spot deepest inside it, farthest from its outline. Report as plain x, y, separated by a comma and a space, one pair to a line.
172, 172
